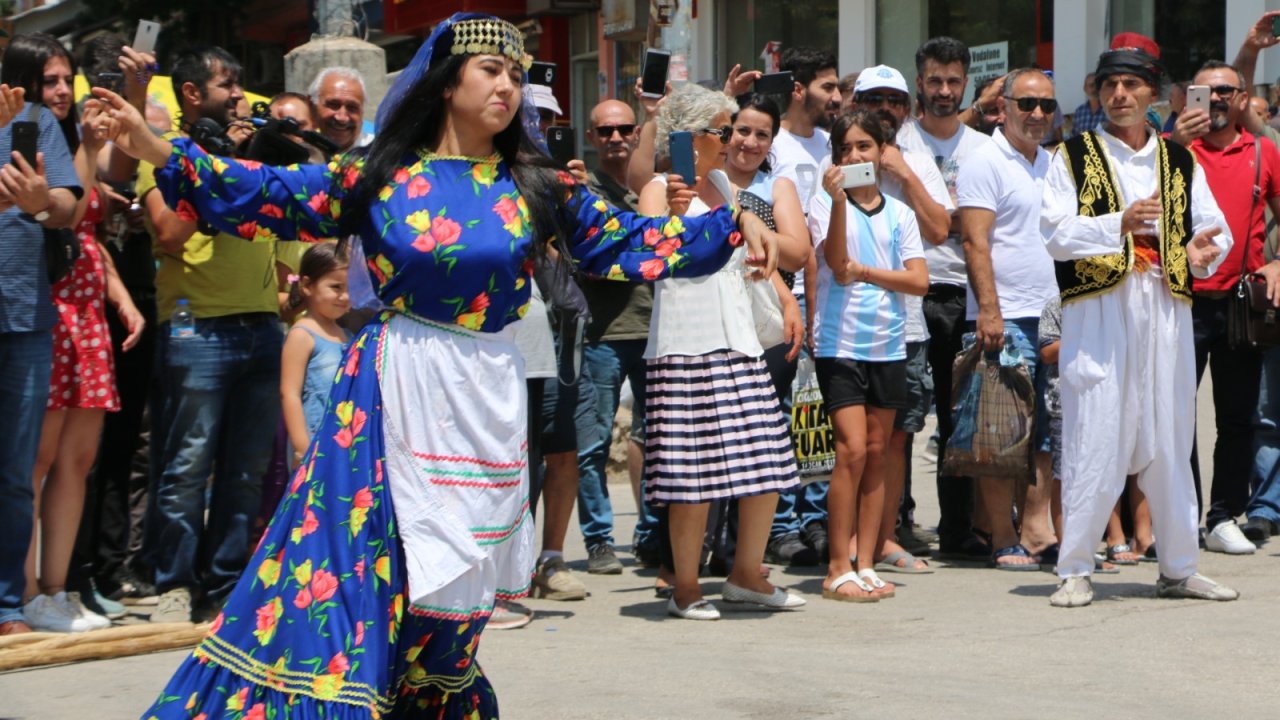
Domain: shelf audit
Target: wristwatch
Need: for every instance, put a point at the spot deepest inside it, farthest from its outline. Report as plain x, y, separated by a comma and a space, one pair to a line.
41, 216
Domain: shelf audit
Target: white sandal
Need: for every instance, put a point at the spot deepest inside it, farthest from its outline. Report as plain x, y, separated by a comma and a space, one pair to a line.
878, 586
833, 593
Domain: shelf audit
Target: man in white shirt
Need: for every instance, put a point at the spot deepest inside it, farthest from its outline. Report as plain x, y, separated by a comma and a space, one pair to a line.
1011, 277
942, 72
913, 178
1129, 218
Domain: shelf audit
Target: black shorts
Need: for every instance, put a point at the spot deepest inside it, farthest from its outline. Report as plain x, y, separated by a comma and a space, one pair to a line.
858, 382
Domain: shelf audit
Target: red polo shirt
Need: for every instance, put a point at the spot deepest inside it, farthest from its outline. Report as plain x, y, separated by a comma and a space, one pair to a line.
1229, 172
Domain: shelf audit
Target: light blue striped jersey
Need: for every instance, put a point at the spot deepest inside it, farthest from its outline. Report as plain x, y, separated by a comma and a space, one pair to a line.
862, 321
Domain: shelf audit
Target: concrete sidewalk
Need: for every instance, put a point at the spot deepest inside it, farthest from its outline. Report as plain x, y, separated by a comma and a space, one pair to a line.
964, 642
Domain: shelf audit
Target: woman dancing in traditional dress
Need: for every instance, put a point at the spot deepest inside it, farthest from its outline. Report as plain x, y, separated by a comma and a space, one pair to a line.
350, 609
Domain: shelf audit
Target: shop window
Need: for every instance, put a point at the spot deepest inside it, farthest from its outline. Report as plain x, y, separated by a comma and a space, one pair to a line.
747, 27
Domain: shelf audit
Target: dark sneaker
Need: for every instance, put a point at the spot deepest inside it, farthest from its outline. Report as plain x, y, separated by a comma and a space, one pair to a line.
789, 549
132, 591
815, 536
1258, 529
647, 554
601, 560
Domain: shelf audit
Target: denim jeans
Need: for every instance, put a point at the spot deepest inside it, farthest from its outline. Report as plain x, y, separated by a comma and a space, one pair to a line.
606, 365
221, 405
26, 359
1265, 502
1236, 373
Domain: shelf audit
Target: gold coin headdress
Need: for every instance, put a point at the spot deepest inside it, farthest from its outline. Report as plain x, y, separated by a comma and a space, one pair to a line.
489, 36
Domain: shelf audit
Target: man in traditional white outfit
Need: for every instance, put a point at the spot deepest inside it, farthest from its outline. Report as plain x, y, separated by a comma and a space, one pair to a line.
1127, 217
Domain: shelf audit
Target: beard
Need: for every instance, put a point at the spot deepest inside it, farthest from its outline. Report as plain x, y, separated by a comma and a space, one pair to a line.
934, 107
889, 122
1219, 117
821, 113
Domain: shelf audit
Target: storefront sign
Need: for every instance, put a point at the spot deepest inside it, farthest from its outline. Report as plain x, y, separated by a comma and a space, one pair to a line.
986, 61
625, 19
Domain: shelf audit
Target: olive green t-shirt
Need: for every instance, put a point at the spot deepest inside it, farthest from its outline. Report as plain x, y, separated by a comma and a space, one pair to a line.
619, 310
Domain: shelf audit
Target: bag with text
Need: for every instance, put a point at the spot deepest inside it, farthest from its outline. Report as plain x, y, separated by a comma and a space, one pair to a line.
811, 431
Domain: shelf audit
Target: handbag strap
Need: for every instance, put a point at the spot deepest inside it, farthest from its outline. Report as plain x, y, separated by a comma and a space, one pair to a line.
1253, 205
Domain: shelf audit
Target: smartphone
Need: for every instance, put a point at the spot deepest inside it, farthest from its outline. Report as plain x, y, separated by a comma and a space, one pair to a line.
653, 78
1198, 97
859, 175
542, 73
680, 144
112, 81
144, 41
561, 143
779, 83
26, 136
1275, 26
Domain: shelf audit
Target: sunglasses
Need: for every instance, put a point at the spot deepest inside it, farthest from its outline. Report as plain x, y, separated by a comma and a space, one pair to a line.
1028, 104
878, 98
724, 132
1224, 91
607, 131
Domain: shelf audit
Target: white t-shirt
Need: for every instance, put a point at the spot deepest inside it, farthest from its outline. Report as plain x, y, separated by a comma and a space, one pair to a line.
922, 165
797, 158
998, 178
946, 261
863, 321
695, 316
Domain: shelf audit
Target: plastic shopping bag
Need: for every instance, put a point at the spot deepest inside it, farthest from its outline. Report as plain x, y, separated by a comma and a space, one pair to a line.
994, 406
811, 431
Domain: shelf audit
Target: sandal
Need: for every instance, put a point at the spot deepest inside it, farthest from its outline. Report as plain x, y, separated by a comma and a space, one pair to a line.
1018, 550
890, 564
833, 593
1103, 566
882, 588
1115, 551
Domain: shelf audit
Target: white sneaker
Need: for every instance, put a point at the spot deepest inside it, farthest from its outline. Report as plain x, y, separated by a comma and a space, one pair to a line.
47, 613
70, 602
1226, 537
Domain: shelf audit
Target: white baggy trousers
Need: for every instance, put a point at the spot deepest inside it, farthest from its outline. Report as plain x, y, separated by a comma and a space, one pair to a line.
1127, 368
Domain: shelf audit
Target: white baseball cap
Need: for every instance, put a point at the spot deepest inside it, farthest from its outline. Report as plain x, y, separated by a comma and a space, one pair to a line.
878, 77
544, 99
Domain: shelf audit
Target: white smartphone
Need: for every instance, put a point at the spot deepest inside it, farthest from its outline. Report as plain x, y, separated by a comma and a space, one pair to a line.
144, 41
1198, 97
859, 175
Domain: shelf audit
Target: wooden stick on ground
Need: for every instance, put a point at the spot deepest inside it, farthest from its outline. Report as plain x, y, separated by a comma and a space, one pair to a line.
101, 644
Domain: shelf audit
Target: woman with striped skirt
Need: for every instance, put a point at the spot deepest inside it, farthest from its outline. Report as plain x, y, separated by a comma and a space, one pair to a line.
714, 429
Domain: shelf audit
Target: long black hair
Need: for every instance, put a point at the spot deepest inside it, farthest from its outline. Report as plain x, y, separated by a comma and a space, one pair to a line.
23, 67
764, 104
866, 121
417, 121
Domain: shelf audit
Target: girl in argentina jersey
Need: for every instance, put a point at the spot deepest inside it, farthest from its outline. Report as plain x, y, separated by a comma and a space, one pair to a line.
869, 258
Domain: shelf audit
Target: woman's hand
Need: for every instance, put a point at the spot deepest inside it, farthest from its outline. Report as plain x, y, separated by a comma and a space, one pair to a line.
578, 169
852, 271
93, 132
11, 104
762, 246
133, 321
793, 330
679, 195
833, 182
740, 82
651, 104
24, 185
126, 127
138, 69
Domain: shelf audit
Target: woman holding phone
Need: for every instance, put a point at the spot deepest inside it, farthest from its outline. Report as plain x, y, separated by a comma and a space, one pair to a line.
869, 257
713, 427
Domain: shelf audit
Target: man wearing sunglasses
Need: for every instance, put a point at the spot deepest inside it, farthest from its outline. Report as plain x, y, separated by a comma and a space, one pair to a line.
1129, 218
1227, 153
1011, 277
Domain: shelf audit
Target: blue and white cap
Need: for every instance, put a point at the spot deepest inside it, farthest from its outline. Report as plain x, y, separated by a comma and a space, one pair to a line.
880, 77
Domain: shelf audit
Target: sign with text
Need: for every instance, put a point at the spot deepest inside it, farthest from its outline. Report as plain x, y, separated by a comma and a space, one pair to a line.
986, 61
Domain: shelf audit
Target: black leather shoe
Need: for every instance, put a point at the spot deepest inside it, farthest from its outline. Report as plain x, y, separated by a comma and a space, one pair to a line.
1258, 529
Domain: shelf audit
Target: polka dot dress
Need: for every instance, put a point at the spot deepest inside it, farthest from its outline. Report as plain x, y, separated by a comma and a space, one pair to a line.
84, 373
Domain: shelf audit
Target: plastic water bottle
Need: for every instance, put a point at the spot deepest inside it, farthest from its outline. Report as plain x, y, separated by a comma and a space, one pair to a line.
182, 323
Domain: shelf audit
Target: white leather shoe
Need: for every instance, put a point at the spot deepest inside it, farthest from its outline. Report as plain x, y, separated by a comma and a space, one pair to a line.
1226, 537
779, 599
700, 610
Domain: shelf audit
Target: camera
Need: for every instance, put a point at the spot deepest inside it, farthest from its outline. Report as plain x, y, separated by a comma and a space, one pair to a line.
274, 144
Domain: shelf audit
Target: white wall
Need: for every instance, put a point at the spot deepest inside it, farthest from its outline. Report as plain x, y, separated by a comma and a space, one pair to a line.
1079, 37
857, 40
1241, 15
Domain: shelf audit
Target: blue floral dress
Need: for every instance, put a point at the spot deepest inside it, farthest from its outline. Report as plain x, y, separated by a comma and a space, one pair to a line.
409, 514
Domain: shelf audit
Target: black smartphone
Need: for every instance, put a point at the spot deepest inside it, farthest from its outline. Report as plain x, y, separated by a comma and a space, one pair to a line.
680, 143
26, 136
542, 73
112, 81
561, 144
653, 78
779, 83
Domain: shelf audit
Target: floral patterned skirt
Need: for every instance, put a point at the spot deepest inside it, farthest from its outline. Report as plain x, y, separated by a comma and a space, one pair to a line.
322, 624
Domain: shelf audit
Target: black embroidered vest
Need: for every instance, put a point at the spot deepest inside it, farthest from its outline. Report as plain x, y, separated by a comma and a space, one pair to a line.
1098, 193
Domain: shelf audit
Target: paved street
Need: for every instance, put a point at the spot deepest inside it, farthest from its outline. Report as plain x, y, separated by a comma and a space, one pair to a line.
961, 643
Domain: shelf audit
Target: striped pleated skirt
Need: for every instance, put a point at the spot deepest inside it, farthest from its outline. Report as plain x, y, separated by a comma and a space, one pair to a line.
714, 430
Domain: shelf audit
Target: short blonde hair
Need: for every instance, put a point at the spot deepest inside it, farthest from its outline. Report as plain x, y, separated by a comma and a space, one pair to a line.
690, 108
